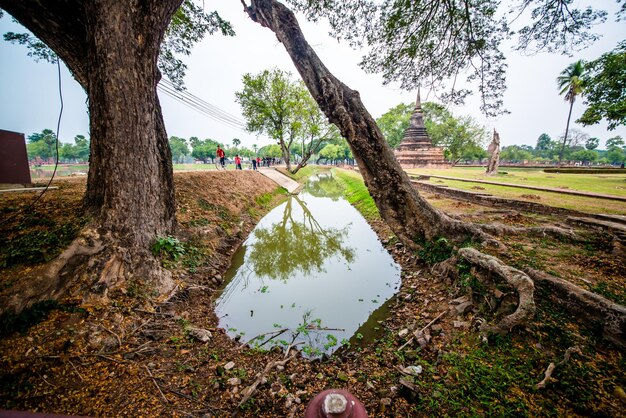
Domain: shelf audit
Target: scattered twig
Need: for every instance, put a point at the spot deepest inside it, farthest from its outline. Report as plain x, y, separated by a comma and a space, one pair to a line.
249, 391
275, 334
119, 341
76, 370
552, 366
156, 384
424, 329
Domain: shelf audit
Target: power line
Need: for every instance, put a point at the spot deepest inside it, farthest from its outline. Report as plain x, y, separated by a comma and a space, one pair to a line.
201, 106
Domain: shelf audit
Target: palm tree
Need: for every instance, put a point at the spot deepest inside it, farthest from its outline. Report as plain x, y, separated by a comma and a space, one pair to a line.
571, 83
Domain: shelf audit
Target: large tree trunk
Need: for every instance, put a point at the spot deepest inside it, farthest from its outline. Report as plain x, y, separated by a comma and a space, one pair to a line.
129, 148
408, 214
111, 48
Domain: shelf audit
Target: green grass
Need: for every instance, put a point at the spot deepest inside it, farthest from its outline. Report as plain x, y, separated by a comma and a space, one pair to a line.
356, 193
580, 203
613, 184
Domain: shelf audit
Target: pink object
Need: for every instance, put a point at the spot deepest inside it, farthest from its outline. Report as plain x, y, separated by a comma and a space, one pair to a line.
335, 403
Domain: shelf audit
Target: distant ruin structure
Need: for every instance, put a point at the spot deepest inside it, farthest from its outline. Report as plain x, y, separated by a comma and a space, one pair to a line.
416, 150
14, 169
494, 155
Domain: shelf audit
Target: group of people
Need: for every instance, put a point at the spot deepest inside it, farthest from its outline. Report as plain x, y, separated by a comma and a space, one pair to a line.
256, 162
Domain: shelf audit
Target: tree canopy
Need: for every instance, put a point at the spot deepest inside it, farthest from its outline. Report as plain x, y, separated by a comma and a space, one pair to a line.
431, 43
605, 89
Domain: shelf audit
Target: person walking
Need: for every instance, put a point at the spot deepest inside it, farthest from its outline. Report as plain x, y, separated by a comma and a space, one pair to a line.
253, 163
237, 162
221, 156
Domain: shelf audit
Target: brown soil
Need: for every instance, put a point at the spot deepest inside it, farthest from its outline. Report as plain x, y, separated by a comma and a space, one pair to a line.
133, 358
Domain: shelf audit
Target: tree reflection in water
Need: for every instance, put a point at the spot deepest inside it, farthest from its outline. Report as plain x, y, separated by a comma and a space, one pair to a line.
297, 245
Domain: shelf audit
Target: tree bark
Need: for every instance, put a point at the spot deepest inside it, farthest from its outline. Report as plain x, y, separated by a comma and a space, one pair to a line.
569, 116
410, 216
111, 48
129, 148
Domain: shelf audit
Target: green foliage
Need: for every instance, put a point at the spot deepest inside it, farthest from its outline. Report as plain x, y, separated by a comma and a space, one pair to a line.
179, 148
605, 89
430, 42
41, 145
283, 109
435, 251
169, 246
394, 122
38, 240
203, 150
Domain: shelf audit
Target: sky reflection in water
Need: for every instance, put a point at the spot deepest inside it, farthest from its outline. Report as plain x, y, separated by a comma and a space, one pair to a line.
312, 260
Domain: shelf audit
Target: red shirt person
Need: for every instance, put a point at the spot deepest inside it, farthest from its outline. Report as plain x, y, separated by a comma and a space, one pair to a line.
221, 156
237, 162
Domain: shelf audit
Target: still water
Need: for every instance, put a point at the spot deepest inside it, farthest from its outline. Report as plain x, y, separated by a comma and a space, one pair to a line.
310, 274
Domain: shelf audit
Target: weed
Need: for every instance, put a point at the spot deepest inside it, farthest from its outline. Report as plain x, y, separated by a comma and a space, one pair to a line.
435, 251
169, 246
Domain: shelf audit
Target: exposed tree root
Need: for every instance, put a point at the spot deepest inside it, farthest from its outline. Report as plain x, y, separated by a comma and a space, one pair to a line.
597, 310
516, 278
552, 366
91, 268
249, 391
543, 231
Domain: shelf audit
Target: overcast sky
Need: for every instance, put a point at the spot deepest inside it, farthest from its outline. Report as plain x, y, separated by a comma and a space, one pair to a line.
30, 98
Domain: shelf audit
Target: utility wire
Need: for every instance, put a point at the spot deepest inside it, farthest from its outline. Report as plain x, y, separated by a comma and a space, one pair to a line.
201, 106
205, 104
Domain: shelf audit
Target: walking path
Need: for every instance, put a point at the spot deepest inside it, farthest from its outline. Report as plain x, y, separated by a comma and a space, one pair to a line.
280, 179
545, 189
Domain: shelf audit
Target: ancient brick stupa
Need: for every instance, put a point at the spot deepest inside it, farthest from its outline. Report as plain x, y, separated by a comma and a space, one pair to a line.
416, 149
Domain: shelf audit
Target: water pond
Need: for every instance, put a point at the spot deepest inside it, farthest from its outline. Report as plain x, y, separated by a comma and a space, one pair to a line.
310, 274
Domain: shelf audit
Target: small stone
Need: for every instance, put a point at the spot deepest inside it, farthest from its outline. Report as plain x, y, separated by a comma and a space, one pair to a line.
460, 300
151, 365
280, 368
229, 365
413, 370
498, 294
202, 335
403, 333
463, 307
342, 376
461, 324
436, 328
234, 381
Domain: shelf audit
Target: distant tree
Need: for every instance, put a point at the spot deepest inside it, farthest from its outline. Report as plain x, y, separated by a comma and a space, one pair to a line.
605, 89
571, 83
331, 152
458, 135
236, 142
543, 142
515, 154
586, 156
179, 148
203, 150
41, 145
76, 152
283, 109
272, 151
394, 122
592, 143
615, 142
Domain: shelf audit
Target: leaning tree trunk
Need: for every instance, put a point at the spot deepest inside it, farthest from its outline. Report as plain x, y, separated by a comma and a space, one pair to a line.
569, 116
407, 213
111, 48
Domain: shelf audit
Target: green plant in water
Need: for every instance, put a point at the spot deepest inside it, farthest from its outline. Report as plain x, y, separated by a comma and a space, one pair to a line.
168, 245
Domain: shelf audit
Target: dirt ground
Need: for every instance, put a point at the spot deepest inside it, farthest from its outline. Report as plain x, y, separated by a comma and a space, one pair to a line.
140, 359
